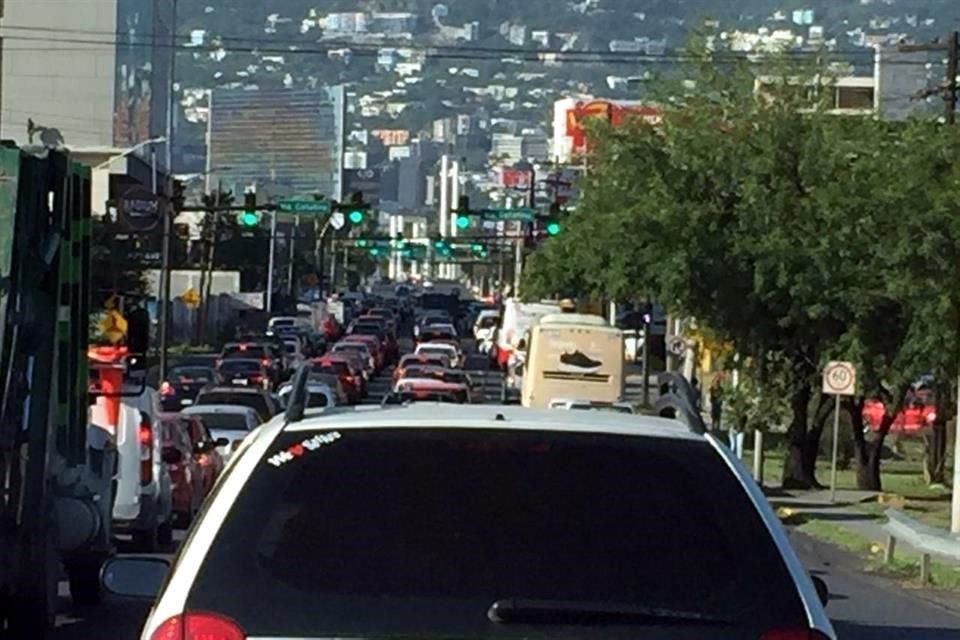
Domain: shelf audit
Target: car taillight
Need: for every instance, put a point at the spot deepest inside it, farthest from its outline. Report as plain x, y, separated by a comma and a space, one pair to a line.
145, 436
198, 625
794, 634
266, 362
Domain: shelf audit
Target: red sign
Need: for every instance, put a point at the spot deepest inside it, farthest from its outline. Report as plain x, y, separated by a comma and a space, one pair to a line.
613, 113
515, 178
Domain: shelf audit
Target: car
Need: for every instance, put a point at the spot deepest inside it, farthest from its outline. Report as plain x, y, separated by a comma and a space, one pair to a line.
441, 348
244, 372
182, 385
359, 348
475, 521
267, 351
352, 381
321, 395
260, 400
374, 346
441, 360
293, 346
437, 332
229, 424
391, 348
453, 376
335, 384
190, 475
420, 387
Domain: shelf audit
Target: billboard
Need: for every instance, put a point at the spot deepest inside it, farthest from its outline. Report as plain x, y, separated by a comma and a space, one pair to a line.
392, 137
513, 178
141, 75
613, 112
366, 181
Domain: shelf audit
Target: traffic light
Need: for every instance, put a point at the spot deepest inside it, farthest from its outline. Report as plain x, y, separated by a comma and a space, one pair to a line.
553, 227
552, 224
360, 244
462, 213
356, 209
438, 243
476, 247
249, 216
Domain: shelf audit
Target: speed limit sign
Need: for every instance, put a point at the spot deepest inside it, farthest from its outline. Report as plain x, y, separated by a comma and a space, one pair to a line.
840, 379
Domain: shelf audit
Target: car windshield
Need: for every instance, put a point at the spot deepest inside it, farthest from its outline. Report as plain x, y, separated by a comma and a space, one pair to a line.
190, 374
224, 421
487, 322
256, 401
245, 351
233, 367
454, 520
291, 347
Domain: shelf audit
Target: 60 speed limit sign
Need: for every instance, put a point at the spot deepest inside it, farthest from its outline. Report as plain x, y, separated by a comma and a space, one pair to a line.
840, 379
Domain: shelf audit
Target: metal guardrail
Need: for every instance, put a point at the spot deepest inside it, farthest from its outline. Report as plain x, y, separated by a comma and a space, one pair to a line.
925, 539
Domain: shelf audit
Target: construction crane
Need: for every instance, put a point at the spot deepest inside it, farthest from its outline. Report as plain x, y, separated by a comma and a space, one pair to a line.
56, 468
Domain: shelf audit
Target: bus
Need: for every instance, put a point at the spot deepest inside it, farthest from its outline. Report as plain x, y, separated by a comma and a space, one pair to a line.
573, 356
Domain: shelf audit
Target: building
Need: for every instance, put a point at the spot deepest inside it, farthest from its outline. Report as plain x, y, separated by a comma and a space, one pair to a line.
346, 23
888, 93
286, 142
74, 85
507, 147
393, 24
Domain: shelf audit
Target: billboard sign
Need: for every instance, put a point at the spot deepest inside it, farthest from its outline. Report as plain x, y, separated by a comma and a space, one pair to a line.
367, 181
514, 178
613, 112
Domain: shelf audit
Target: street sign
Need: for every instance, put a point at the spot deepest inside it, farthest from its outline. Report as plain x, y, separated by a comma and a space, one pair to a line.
337, 220
191, 298
840, 379
318, 207
678, 346
140, 209
113, 326
523, 214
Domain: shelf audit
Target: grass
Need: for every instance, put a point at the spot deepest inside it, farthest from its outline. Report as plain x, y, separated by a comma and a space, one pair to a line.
904, 487
905, 568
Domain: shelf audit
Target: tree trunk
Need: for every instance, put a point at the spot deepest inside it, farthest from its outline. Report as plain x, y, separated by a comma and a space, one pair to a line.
797, 471
866, 453
935, 452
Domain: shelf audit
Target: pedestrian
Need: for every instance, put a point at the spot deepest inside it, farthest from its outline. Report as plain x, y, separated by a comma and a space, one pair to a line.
716, 403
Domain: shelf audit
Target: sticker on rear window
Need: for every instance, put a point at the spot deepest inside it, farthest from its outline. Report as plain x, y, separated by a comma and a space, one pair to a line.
295, 451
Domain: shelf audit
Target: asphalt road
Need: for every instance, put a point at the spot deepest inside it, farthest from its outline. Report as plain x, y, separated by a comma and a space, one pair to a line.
863, 607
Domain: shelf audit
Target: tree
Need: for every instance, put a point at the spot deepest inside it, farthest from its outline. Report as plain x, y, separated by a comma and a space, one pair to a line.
779, 227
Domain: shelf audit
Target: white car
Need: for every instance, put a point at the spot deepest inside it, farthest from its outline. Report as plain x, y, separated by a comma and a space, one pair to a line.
348, 346
440, 348
321, 395
475, 521
230, 421
484, 328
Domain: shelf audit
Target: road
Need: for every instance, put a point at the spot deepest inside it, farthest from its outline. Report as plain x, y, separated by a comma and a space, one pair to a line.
863, 607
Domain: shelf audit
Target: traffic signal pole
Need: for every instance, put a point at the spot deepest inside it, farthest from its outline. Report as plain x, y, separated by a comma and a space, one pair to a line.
268, 307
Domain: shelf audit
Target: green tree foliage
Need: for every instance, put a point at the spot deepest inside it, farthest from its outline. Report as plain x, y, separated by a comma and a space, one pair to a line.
797, 235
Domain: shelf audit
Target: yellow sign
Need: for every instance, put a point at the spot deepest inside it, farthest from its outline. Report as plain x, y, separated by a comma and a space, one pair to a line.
191, 298
113, 326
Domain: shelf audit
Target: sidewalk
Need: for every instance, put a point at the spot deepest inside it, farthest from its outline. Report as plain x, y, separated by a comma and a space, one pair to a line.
816, 505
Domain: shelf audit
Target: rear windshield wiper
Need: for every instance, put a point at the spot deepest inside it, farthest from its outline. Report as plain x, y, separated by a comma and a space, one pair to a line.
558, 612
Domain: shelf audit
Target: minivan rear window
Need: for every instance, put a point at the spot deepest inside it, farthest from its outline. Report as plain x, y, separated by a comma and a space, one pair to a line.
451, 521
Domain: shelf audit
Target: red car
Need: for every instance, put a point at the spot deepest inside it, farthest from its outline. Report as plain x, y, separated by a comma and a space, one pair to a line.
190, 454
352, 380
913, 418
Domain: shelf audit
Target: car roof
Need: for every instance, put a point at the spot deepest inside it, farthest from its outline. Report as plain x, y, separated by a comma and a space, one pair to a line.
432, 383
227, 389
433, 415
218, 408
241, 361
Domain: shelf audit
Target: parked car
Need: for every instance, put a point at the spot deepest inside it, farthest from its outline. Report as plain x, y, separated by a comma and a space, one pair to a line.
507, 523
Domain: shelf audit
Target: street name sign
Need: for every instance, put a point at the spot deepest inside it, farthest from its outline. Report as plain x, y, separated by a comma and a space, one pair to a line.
523, 214
318, 207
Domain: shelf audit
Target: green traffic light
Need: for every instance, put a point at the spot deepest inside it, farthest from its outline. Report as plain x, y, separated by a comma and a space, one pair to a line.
375, 252
477, 247
463, 222
361, 243
356, 216
248, 219
553, 228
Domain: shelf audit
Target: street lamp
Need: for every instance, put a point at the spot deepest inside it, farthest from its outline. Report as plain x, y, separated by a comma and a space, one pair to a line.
126, 152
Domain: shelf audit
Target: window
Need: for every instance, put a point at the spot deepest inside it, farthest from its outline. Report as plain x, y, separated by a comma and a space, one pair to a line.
225, 421
454, 520
854, 97
256, 401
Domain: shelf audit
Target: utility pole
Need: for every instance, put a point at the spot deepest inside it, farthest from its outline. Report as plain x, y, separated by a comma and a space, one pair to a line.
163, 306
951, 46
949, 93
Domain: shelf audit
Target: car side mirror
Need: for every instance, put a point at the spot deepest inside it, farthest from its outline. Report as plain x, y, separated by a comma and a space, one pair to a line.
171, 455
823, 592
140, 578
222, 442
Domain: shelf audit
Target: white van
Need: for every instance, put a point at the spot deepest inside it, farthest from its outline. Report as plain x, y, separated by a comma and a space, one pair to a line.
143, 506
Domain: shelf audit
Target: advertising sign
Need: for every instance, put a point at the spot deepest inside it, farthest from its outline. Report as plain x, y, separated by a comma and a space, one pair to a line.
613, 112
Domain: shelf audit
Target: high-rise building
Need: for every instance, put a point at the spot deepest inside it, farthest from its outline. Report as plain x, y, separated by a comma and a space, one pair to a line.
286, 142
64, 71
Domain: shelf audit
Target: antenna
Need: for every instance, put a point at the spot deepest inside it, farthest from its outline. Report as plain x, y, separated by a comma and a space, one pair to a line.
298, 396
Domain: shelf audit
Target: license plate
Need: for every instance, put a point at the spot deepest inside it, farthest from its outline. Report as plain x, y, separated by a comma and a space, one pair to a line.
242, 381
185, 402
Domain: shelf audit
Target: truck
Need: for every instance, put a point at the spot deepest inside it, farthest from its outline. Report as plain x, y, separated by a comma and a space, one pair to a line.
57, 470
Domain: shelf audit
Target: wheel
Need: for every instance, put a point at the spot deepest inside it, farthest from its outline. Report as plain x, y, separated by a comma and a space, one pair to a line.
84, 578
165, 533
147, 541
